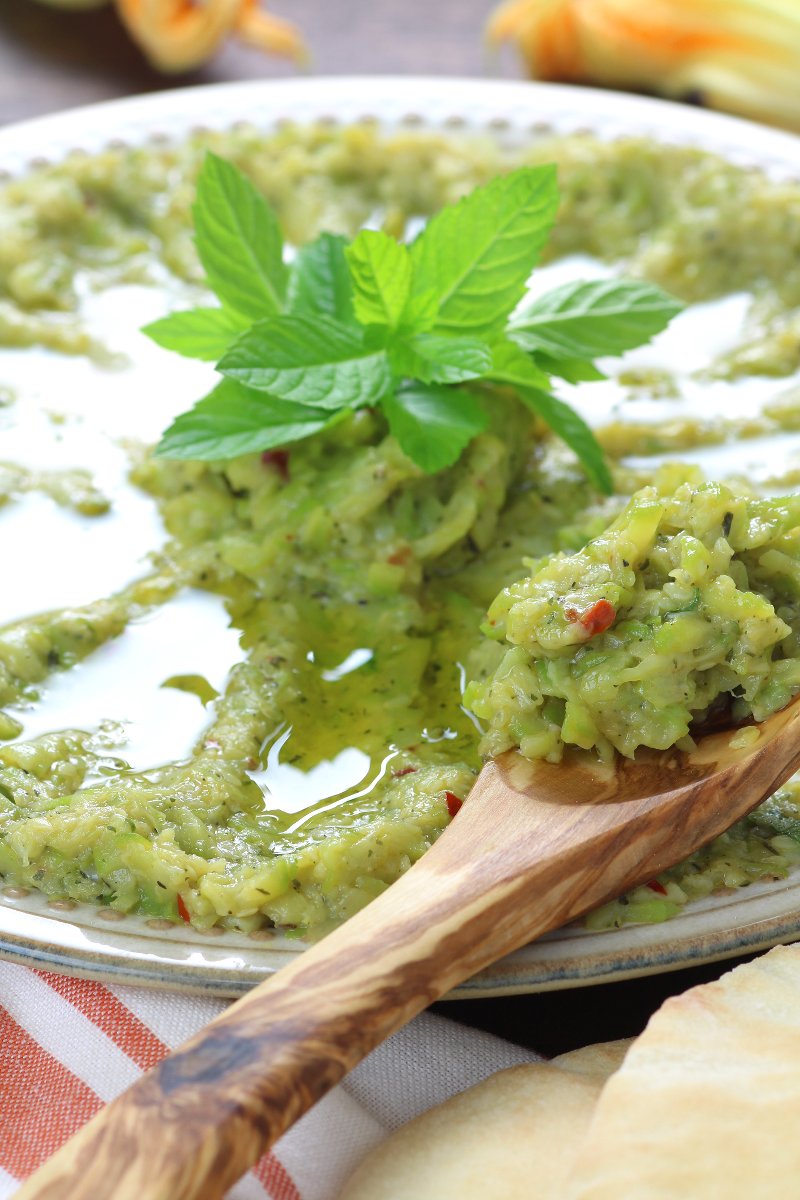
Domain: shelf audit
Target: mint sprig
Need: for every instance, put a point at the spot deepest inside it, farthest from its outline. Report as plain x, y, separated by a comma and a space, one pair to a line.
435, 358
239, 241
204, 333
583, 319
434, 424
512, 366
233, 420
476, 256
310, 360
381, 273
319, 281
411, 330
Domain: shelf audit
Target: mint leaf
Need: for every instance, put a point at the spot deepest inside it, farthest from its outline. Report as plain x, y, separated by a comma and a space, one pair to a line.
511, 365
233, 420
203, 333
433, 424
420, 311
435, 358
586, 319
574, 370
476, 256
573, 430
310, 360
238, 240
380, 269
319, 280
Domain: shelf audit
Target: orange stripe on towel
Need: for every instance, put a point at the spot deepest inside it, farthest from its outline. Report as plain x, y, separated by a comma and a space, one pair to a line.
277, 1181
49, 1099
111, 1017
42, 1101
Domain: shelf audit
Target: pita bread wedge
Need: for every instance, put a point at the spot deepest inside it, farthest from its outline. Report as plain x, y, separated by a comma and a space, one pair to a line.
511, 1137
707, 1102
601, 1059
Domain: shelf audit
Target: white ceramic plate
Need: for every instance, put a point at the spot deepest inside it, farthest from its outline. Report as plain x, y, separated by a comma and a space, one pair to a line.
105, 944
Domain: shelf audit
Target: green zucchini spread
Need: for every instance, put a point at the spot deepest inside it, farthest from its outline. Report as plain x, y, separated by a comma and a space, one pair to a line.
358, 584
685, 602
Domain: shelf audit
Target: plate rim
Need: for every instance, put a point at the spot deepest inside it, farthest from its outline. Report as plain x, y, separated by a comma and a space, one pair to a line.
508, 109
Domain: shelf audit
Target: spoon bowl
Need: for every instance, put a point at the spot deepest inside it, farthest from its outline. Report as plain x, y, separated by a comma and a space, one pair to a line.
535, 845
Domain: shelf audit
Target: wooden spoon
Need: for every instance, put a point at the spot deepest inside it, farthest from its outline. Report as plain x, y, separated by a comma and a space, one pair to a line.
534, 846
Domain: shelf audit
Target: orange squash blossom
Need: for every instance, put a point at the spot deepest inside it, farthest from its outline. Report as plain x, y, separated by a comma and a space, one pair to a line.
177, 35
739, 55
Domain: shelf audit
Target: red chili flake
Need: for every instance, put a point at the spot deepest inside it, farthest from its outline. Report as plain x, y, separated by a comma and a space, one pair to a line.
404, 771
655, 886
183, 911
597, 619
279, 461
400, 557
453, 803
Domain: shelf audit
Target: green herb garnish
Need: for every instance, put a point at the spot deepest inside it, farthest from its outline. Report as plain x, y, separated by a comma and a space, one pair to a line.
375, 322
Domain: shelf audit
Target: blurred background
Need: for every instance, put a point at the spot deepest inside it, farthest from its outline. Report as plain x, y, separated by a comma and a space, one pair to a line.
52, 58
742, 56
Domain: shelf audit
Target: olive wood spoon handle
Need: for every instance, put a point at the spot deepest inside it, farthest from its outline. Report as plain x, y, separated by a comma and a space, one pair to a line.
534, 846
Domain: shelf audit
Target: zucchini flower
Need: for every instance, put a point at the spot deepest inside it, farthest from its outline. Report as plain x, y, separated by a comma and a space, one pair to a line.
739, 55
178, 35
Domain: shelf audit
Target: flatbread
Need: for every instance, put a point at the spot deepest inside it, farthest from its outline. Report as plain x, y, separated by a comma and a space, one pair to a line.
704, 1105
600, 1059
707, 1102
511, 1137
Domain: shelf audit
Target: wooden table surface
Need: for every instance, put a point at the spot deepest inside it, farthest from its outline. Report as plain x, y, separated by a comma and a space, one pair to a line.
51, 60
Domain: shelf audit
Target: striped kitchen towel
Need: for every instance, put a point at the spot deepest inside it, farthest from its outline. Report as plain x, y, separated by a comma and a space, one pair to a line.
71, 1045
